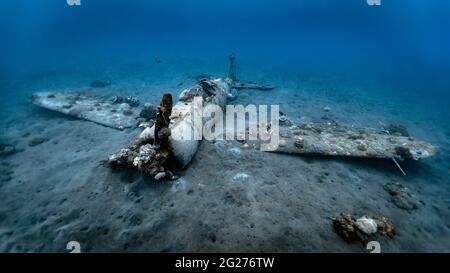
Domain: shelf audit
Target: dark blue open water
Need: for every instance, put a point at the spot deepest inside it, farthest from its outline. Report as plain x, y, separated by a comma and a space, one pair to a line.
404, 42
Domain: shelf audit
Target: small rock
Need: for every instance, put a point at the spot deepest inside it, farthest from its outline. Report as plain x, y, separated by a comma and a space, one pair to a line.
299, 143
284, 120
363, 229
171, 176
148, 112
131, 101
6, 149
362, 147
397, 129
326, 109
120, 160
344, 226
235, 151
401, 197
160, 175
146, 124
127, 112
366, 225
385, 226
36, 141
241, 177
179, 185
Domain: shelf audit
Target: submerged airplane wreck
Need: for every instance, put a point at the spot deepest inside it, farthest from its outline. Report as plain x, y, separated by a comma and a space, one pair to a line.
168, 137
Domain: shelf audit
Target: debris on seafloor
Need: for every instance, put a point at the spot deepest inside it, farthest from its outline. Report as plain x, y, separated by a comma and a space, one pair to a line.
171, 137
7, 149
149, 156
237, 84
363, 229
99, 84
148, 111
401, 196
132, 101
284, 120
397, 130
252, 85
36, 141
336, 140
117, 112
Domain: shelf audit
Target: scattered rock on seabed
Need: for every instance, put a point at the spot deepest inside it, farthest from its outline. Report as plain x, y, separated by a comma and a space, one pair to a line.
36, 141
235, 151
7, 149
397, 129
160, 175
401, 196
179, 185
241, 177
363, 229
220, 144
148, 112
